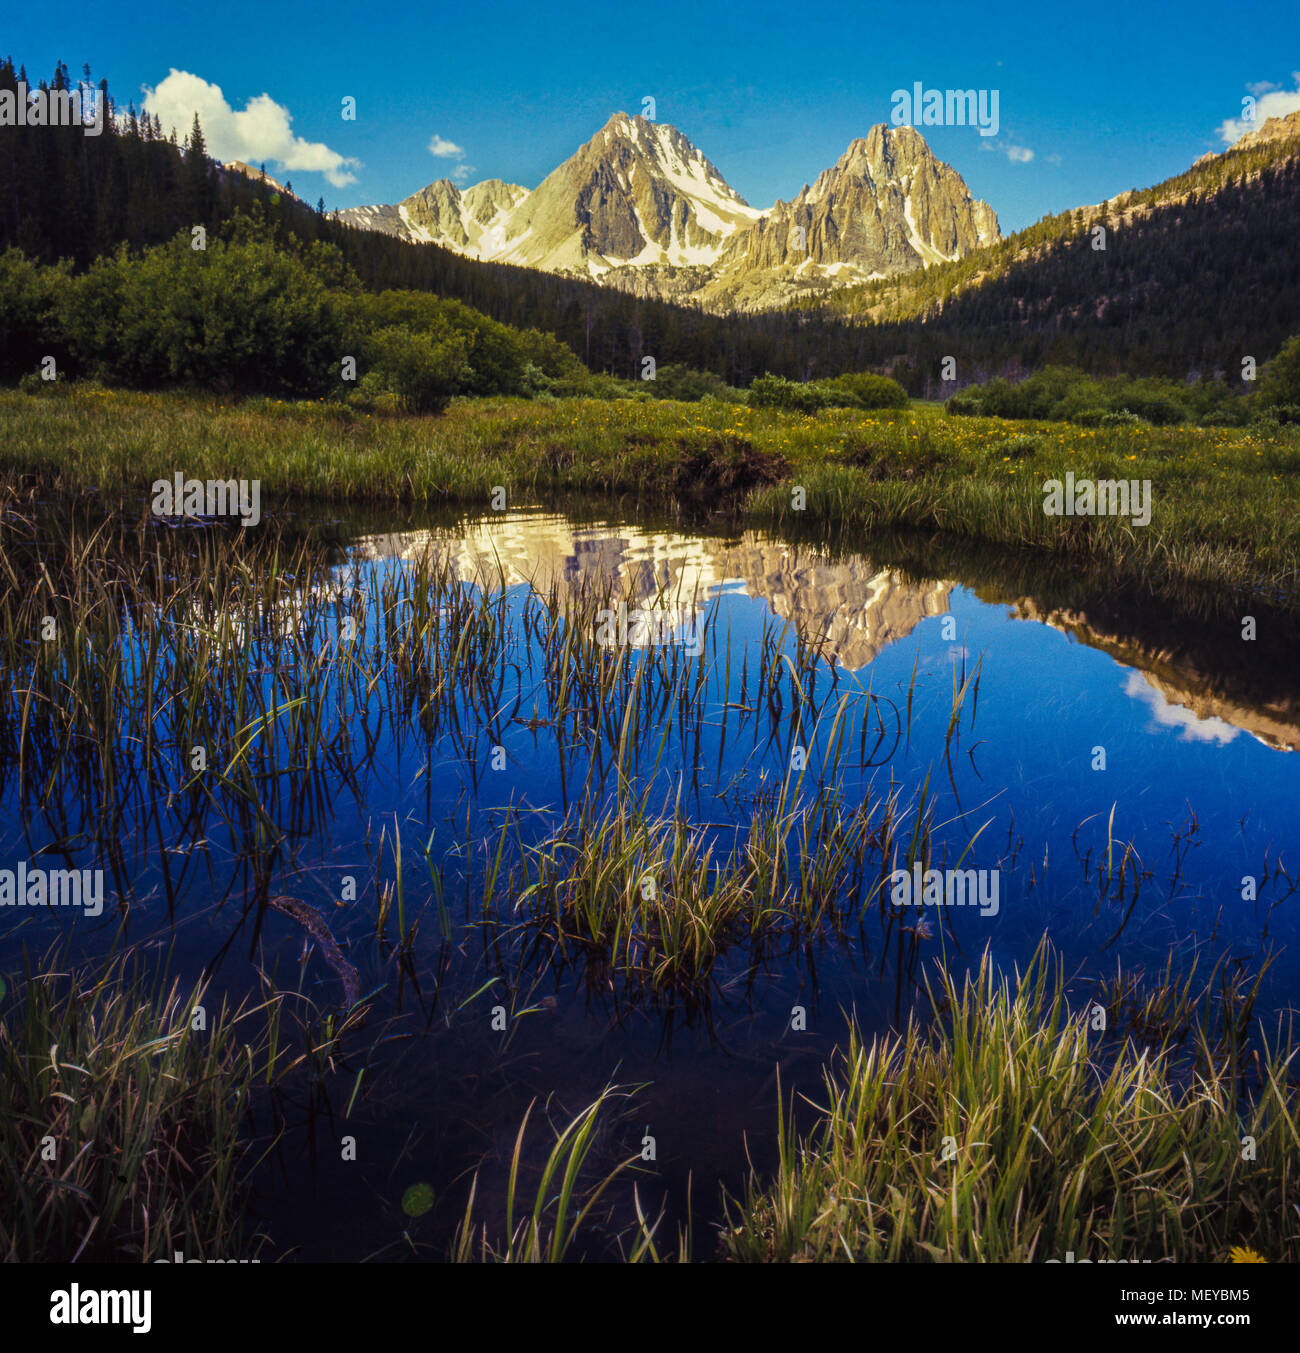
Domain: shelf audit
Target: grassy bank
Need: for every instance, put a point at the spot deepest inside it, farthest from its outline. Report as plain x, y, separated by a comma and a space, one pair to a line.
1224, 501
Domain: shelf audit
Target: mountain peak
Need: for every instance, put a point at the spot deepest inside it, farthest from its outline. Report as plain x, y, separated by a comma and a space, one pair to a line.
886, 206
1272, 129
638, 197
881, 135
625, 123
884, 147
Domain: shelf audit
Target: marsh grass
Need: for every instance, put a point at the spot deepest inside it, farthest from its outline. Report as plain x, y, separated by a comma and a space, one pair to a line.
1004, 1125
1224, 500
236, 640
128, 651
565, 1210
1007, 1128
121, 1124
656, 900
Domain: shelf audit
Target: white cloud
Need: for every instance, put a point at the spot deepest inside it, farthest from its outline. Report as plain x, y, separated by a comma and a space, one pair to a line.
1016, 154
1189, 726
259, 132
443, 149
1270, 101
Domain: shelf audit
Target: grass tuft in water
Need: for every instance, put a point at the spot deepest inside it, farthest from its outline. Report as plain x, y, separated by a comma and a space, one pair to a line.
120, 1121
1011, 1130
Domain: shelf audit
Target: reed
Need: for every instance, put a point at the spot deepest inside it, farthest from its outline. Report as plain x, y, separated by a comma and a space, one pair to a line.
1010, 1130
122, 1126
562, 1207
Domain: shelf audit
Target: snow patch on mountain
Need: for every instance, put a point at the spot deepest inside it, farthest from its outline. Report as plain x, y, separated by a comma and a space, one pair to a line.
639, 200
927, 251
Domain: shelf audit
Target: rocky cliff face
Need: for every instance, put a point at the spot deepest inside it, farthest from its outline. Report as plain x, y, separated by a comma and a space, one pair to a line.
1272, 129
858, 607
638, 206
637, 193
471, 222
886, 206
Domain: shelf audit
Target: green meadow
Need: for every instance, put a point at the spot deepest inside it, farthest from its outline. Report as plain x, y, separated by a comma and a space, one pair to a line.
1224, 500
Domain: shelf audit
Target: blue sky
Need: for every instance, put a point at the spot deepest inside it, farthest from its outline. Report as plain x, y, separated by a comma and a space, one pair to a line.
1106, 97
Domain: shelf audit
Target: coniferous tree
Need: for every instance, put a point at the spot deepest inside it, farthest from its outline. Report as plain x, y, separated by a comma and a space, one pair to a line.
198, 177
1206, 273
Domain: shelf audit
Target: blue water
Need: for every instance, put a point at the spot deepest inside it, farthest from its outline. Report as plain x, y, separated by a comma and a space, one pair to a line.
1200, 779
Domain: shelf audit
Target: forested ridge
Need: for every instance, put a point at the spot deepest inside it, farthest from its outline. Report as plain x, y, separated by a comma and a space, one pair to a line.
66, 195
1197, 272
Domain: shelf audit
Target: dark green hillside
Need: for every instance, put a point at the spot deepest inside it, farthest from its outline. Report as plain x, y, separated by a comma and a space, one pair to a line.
65, 195
1197, 272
